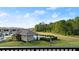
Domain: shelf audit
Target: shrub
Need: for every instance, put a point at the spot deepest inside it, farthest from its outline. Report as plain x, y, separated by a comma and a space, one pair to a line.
10, 38
54, 38
45, 39
18, 37
48, 39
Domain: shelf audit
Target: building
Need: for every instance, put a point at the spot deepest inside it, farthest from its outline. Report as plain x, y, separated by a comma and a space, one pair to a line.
25, 34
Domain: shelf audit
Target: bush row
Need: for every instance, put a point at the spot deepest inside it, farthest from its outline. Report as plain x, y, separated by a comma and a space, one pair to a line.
48, 39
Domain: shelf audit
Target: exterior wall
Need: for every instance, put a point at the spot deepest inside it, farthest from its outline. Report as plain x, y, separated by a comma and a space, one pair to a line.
6, 33
27, 38
24, 38
30, 38
1, 37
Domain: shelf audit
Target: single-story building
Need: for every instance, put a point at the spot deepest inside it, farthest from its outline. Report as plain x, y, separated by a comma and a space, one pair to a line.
25, 35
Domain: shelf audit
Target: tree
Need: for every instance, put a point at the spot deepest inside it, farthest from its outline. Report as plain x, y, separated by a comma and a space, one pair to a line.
69, 27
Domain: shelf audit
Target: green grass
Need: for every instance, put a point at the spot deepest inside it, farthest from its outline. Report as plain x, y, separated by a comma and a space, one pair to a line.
66, 43
19, 43
40, 43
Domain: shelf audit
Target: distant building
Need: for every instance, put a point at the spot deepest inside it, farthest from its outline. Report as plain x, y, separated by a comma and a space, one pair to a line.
25, 34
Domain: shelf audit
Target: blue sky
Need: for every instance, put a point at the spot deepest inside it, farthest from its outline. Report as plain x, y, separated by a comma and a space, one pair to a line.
27, 17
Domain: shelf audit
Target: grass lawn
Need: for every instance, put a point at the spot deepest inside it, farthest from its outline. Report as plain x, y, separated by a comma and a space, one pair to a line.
19, 43
40, 43
65, 41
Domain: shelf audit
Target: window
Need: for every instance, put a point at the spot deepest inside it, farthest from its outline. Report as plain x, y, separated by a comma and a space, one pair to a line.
14, 29
6, 34
5, 29
0, 35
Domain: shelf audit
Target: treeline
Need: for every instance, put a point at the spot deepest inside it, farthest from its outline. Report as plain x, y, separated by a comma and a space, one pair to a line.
65, 27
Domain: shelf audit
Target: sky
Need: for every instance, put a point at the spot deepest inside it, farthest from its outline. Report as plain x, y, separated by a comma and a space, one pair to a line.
28, 17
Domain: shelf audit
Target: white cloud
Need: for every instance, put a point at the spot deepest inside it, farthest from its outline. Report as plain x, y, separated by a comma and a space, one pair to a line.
27, 15
3, 14
52, 8
34, 14
26, 20
72, 14
55, 15
39, 12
